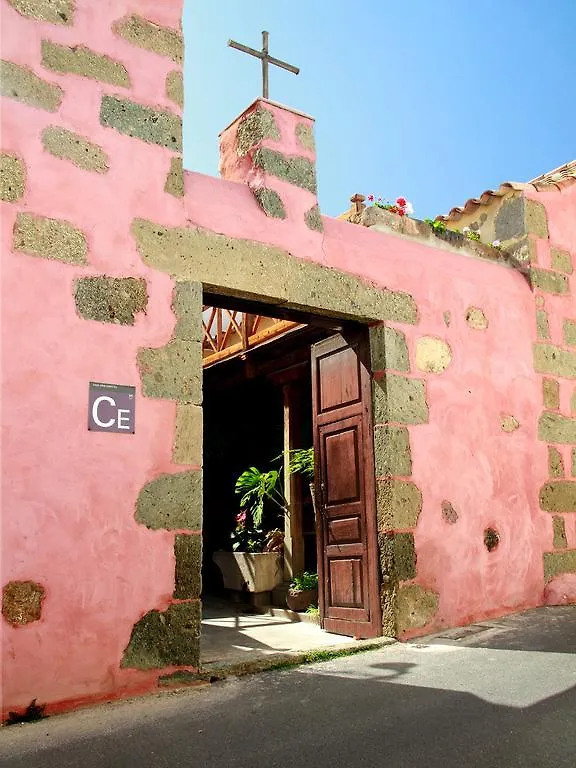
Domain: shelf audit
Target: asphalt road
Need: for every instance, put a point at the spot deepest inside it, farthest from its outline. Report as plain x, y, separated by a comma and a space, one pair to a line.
501, 694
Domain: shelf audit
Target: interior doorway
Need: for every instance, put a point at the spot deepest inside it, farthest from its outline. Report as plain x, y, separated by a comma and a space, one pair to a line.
272, 386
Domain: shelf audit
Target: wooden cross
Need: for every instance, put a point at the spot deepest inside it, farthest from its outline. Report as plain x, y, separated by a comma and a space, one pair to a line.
265, 58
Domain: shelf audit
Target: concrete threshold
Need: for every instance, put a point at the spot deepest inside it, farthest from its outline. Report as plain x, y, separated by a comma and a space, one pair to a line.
215, 671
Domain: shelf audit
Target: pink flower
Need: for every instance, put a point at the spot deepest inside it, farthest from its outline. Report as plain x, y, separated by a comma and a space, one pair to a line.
371, 198
241, 518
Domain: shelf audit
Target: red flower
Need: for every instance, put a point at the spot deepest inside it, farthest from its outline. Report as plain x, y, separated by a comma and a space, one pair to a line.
371, 198
401, 212
241, 518
401, 201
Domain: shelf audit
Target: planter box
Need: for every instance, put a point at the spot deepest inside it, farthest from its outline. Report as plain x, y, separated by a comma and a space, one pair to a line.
299, 600
250, 571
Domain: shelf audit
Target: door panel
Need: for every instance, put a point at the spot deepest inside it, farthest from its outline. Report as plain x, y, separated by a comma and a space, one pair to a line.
346, 516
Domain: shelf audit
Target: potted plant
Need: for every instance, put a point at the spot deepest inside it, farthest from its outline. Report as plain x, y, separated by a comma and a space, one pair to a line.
303, 592
255, 563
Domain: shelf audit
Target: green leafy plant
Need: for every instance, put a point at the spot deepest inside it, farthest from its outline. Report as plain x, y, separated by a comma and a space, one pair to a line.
255, 488
313, 610
437, 226
304, 582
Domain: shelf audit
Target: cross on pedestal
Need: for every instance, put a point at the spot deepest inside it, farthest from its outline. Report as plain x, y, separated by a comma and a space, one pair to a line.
265, 58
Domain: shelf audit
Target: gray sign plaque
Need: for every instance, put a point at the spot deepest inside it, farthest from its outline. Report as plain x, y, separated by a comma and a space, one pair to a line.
111, 408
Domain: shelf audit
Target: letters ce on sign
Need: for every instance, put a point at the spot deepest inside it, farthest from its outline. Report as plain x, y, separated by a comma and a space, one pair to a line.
111, 408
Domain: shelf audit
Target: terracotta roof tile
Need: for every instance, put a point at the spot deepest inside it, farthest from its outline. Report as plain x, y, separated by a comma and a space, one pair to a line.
559, 177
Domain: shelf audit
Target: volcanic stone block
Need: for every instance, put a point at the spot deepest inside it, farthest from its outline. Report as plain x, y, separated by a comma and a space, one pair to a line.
398, 504
313, 219
558, 496
75, 148
254, 128
555, 428
165, 639
52, 11
542, 324
172, 372
416, 606
296, 170
175, 87
559, 562
21, 84
22, 602
570, 332
388, 349
187, 306
551, 394
270, 202
561, 261
175, 180
392, 451
79, 60
549, 282
164, 41
555, 462
188, 438
12, 178
172, 502
155, 126
554, 360
305, 136
559, 529
400, 400
111, 299
247, 268
188, 575
535, 219
49, 238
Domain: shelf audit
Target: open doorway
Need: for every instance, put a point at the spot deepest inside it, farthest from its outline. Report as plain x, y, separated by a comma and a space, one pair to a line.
260, 404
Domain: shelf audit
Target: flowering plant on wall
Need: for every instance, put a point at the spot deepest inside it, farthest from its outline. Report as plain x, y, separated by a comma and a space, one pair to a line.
401, 207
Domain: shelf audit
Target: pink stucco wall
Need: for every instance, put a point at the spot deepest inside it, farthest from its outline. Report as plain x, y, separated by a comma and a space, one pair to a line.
69, 494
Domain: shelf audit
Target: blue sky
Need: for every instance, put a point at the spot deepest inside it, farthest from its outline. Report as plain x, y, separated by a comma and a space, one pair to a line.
435, 101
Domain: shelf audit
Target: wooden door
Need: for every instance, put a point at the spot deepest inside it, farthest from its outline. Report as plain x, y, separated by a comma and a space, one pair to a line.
349, 598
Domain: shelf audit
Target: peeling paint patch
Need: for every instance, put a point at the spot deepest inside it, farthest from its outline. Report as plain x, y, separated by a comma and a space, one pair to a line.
432, 355
22, 602
476, 318
449, 513
509, 423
